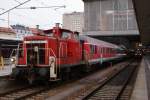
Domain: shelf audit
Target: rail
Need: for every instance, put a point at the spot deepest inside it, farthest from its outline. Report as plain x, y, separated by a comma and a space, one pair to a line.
115, 84
21, 93
86, 85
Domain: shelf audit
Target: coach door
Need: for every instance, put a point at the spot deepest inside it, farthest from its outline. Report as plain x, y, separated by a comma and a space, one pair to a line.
82, 48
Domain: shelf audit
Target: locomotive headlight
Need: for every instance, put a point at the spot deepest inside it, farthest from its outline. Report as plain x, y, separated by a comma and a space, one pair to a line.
13, 59
13, 62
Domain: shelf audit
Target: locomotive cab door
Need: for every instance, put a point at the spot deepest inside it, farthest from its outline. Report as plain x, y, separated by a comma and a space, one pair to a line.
32, 55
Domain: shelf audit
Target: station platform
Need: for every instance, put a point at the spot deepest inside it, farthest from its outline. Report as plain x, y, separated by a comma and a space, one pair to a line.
5, 67
141, 89
6, 70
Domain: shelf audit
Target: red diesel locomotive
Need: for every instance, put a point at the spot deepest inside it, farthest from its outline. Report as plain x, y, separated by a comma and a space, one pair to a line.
44, 55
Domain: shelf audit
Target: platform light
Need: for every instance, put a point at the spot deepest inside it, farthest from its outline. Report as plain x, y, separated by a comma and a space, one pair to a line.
140, 45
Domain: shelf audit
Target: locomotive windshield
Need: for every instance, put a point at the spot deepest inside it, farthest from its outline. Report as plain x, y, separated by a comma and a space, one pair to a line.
20, 51
66, 35
36, 51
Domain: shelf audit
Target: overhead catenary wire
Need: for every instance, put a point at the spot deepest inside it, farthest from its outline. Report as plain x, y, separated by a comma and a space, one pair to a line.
43, 5
19, 15
14, 7
17, 1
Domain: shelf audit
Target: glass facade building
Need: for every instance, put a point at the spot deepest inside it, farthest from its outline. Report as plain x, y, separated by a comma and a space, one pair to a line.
109, 15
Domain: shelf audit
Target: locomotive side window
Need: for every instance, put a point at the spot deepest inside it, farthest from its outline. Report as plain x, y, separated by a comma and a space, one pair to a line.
66, 35
49, 34
76, 36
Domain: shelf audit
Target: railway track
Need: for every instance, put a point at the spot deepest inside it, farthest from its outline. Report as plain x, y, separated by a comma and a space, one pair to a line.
87, 88
115, 88
22, 93
79, 87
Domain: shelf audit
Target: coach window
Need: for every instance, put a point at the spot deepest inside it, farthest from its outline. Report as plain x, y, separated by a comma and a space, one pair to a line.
107, 50
100, 50
110, 51
104, 50
95, 49
92, 49
66, 35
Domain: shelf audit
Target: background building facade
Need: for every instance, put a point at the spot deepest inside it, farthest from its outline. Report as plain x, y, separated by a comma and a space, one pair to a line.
109, 15
111, 20
73, 21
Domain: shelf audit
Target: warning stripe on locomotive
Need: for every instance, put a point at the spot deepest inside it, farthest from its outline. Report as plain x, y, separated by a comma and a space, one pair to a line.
27, 42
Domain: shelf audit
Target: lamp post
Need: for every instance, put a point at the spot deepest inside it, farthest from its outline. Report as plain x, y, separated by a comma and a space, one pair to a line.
8, 18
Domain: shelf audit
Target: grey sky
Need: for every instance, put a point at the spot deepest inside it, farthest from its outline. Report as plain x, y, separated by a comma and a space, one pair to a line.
46, 18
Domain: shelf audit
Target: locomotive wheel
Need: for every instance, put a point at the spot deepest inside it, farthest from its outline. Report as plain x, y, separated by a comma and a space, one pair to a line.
31, 79
31, 76
88, 67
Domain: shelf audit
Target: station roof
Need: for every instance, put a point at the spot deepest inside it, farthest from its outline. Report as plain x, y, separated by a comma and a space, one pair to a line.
142, 10
6, 30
